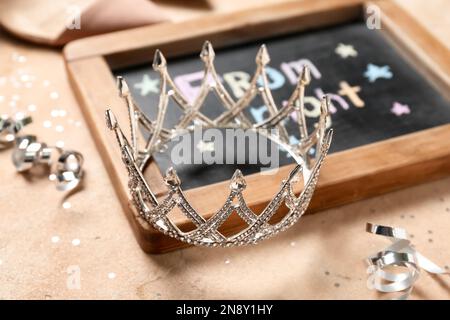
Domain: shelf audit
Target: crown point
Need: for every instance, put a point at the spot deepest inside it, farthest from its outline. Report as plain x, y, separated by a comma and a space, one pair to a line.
111, 120
305, 76
171, 178
207, 52
122, 86
159, 61
262, 56
325, 105
237, 181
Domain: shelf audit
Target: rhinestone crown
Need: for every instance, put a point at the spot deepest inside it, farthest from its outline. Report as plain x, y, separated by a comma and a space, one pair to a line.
135, 157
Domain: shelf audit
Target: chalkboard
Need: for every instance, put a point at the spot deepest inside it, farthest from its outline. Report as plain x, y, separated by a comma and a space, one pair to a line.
376, 94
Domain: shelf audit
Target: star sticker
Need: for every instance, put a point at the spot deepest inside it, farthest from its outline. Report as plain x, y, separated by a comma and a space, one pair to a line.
399, 109
203, 146
345, 51
293, 140
375, 72
147, 85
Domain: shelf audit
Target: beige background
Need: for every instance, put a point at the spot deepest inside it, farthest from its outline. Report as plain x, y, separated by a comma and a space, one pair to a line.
320, 257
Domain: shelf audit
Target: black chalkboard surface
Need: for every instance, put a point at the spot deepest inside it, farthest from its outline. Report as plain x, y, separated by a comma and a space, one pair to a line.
376, 94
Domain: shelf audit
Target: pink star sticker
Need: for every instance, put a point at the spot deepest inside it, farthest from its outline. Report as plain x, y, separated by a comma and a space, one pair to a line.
399, 109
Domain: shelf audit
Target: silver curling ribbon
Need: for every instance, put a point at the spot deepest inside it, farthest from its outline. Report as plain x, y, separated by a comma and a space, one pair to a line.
400, 254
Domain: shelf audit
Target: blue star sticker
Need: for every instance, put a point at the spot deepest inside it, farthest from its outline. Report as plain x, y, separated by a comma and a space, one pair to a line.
375, 72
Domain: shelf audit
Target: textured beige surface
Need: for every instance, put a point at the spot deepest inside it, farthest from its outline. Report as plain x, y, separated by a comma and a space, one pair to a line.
321, 257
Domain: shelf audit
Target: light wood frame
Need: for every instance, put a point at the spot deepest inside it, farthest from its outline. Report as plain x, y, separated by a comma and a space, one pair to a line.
346, 176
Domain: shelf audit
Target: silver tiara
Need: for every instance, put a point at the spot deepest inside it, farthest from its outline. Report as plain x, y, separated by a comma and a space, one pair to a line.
136, 155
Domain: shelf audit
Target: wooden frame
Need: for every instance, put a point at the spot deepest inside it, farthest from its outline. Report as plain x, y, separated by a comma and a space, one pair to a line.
346, 176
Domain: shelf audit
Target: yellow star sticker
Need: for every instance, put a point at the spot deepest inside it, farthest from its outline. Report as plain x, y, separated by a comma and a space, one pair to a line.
345, 51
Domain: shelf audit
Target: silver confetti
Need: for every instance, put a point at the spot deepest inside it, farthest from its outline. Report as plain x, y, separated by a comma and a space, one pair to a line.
399, 254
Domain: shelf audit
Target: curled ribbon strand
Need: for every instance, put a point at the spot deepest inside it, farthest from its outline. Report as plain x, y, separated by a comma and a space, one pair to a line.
399, 254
